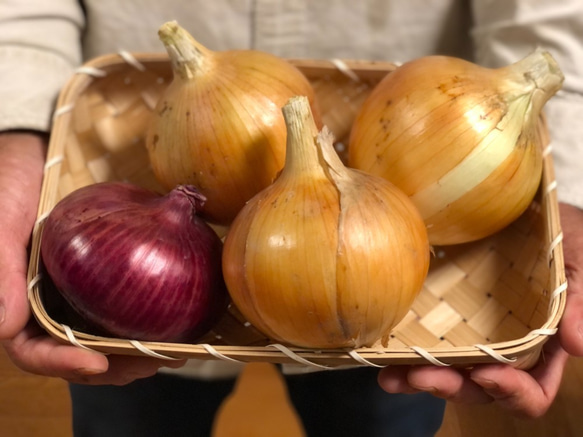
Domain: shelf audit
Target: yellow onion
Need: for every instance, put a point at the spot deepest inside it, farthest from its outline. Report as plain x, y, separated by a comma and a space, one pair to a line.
463, 141
325, 257
219, 126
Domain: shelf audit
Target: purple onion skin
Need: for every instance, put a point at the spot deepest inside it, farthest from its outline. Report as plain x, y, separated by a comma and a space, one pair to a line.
136, 264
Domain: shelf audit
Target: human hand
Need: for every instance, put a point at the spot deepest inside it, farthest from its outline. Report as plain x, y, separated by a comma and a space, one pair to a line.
21, 168
571, 327
526, 394
522, 393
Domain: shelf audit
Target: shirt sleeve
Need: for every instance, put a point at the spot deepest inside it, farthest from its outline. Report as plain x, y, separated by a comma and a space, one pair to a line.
40, 46
507, 30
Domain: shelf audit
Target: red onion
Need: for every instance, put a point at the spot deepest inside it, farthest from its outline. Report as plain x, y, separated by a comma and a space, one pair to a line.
136, 264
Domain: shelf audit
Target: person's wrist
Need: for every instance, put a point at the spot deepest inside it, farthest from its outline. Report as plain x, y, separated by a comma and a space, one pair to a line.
19, 135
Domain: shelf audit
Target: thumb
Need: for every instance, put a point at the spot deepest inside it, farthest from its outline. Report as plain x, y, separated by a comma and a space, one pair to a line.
571, 327
21, 170
14, 307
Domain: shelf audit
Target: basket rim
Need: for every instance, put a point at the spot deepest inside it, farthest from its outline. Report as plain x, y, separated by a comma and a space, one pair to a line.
521, 352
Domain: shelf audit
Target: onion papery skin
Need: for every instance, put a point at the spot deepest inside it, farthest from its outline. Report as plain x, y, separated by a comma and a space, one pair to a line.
218, 125
462, 141
136, 264
325, 257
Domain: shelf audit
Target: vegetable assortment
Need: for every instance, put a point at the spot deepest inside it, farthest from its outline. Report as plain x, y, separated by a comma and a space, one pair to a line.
317, 254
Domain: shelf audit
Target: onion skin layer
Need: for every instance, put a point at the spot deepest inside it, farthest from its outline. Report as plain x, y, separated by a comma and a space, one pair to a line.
325, 257
463, 141
218, 125
136, 264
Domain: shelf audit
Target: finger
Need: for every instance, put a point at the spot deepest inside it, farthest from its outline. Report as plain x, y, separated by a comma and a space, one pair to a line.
14, 308
125, 369
42, 355
35, 352
525, 394
571, 327
447, 383
393, 379
21, 161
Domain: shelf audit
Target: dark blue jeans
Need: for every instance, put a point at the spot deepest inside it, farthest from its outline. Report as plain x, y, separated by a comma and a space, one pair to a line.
336, 403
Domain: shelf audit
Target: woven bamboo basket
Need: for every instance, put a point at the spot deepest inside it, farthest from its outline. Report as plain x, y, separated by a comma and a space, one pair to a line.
495, 300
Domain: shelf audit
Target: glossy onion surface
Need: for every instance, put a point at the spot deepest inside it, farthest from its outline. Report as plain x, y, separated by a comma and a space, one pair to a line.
218, 125
326, 256
462, 141
136, 264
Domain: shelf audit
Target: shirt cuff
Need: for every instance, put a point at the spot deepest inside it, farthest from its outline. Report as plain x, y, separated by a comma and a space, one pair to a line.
567, 145
31, 81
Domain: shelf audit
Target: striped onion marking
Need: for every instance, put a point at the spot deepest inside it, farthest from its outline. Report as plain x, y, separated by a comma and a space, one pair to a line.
472, 171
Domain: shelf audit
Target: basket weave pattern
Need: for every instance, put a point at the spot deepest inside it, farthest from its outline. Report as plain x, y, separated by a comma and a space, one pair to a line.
494, 300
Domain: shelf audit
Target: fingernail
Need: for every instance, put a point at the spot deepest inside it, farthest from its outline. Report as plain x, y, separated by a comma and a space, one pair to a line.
175, 364
429, 389
487, 384
2, 313
87, 371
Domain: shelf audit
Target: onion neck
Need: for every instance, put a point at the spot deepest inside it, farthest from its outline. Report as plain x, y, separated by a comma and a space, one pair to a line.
309, 151
187, 56
302, 155
195, 197
537, 76
180, 205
